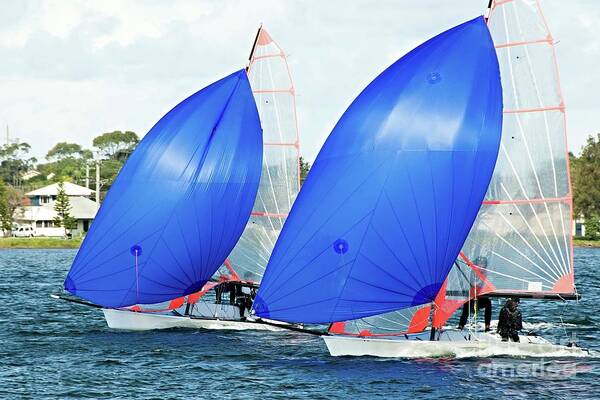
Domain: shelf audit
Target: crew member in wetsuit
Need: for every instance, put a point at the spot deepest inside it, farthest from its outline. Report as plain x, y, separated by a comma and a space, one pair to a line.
478, 302
510, 321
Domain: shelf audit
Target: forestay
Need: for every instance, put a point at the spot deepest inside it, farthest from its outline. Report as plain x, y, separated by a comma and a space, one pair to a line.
179, 204
395, 189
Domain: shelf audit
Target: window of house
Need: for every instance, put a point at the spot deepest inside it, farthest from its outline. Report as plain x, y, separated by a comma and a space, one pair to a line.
39, 224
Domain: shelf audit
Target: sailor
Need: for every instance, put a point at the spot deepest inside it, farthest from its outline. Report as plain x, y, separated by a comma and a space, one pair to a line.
477, 303
219, 292
510, 321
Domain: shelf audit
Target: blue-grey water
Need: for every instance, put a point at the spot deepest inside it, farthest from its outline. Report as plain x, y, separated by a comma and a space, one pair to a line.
54, 349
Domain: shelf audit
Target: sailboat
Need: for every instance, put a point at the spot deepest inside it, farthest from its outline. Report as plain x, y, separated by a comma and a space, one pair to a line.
373, 239
521, 242
240, 273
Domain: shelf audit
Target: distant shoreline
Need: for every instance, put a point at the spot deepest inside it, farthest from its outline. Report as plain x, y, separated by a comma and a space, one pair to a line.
39, 243
586, 243
59, 243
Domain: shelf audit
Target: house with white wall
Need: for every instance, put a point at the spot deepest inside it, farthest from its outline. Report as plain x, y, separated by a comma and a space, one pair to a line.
40, 214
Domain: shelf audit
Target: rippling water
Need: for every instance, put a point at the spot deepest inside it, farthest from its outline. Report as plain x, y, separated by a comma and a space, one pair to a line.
53, 349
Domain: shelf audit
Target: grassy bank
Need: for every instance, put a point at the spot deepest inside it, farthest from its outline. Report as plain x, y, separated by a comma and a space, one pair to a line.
39, 243
59, 243
586, 243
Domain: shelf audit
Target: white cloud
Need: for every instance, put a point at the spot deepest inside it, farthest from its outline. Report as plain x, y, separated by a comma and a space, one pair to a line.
71, 70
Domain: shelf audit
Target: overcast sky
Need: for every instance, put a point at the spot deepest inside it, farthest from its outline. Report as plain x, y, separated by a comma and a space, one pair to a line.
71, 70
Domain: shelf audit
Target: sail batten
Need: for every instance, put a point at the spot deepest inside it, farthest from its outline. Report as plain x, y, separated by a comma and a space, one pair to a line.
394, 190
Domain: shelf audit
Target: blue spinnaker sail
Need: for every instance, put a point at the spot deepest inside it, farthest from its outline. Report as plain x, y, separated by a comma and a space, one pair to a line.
394, 191
179, 204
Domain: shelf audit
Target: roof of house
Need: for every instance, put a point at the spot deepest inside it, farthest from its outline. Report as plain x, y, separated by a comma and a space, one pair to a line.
52, 190
81, 208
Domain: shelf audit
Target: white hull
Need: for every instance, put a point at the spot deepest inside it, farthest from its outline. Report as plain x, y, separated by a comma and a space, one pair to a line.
143, 321
449, 345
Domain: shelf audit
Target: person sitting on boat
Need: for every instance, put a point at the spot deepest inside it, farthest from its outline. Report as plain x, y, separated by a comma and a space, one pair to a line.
477, 302
510, 321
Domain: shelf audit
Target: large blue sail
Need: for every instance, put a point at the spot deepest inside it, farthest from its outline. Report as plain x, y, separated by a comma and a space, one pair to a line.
395, 189
179, 204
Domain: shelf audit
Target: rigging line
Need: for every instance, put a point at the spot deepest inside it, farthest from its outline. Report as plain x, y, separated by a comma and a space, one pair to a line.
518, 266
524, 136
547, 131
558, 274
524, 256
532, 233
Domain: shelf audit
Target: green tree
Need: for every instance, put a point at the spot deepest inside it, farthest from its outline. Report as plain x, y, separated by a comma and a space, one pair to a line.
63, 150
67, 161
15, 160
585, 175
117, 144
304, 169
62, 206
592, 227
6, 217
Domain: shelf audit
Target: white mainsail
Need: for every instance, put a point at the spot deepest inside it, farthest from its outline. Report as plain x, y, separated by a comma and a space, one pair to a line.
275, 96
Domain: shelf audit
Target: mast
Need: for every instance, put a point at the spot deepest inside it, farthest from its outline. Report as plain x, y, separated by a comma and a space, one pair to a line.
253, 48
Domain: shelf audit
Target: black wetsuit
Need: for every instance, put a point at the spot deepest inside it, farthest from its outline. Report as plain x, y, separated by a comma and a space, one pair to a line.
482, 302
509, 324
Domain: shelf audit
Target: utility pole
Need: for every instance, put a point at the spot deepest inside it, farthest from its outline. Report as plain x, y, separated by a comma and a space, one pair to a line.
98, 182
87, 174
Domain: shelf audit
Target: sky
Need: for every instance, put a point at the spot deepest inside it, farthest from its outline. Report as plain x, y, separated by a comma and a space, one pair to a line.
71, 70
